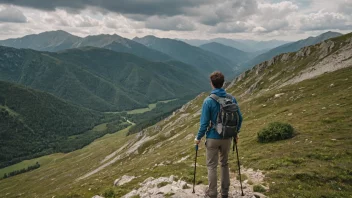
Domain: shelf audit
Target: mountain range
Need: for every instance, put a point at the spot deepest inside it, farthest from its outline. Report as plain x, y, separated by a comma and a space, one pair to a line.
59, 40
205, 60
251, 46
100, 79
230, 53
213, 54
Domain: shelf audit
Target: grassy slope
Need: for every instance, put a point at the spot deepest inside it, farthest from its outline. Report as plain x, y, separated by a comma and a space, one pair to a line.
317, 161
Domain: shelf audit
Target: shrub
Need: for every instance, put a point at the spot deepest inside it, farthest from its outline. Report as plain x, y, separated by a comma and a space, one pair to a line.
109, 193
275, 131
258, 188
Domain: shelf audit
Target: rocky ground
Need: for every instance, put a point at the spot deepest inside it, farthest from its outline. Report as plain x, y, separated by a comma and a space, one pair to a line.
177, 188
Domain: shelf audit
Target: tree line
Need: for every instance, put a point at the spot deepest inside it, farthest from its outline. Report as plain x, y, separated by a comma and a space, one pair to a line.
23, 170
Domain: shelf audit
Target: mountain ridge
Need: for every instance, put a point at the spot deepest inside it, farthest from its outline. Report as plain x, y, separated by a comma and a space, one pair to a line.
291, 47
251, 46
235, 55
54, 41
201, 59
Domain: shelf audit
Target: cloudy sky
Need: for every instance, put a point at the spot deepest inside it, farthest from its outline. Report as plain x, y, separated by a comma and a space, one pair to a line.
189, 19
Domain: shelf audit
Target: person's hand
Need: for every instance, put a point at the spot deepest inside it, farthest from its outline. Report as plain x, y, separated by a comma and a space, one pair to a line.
196, 141
236, 139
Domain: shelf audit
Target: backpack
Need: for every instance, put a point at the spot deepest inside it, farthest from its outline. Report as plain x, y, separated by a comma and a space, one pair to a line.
228, 119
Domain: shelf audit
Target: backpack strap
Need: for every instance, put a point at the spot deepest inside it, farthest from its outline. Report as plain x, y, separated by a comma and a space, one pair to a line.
215, 97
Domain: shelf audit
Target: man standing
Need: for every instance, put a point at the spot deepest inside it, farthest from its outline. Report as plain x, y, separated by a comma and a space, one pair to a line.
215, 141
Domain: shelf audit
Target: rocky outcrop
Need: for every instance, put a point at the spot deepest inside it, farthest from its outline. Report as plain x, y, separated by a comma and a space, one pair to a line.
326, 56
123, 180
176, 188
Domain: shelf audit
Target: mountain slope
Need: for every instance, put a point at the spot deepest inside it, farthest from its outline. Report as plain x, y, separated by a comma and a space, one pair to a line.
316, 162
120, 44
291, 47
46, 41
230, 53
251, 46
85, 77
35, 123
201, 59
60, 40
224, 41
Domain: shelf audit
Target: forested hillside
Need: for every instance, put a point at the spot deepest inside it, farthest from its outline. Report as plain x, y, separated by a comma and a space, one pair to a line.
100, 79
35, 123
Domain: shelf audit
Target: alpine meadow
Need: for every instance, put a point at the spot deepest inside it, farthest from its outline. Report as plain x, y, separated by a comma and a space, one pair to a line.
176, 99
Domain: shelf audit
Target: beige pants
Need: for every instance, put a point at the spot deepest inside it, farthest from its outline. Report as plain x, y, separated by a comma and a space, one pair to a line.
214, 146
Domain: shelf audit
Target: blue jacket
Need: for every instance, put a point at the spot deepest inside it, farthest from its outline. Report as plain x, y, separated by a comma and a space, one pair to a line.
210, 111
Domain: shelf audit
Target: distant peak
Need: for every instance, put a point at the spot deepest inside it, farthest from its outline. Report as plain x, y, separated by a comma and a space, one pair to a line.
55, 31
330, 33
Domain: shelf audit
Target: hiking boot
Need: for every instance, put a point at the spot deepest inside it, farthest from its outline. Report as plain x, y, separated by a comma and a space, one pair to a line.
224, 196
208, 196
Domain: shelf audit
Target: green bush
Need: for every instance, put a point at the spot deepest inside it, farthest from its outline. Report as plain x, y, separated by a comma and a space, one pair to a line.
109, 193
275, 131
258, 188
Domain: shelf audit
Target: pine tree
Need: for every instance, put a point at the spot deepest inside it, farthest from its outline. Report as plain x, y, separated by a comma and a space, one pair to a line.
5, 176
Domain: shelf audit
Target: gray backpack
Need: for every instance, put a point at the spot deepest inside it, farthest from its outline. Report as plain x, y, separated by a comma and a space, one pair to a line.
228, 119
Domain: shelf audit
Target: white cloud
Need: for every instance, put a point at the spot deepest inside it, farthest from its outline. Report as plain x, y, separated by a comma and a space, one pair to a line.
11, 14
251, 19
345, 7
169, 23
325, 20
223, 11
270, 11
234, 27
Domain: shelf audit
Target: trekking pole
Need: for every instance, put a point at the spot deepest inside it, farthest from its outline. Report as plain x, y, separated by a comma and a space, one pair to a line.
239, 168
195, 168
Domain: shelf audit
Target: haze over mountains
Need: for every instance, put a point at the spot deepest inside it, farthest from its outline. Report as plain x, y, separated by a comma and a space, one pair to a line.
233, 54
184, 52
243, 45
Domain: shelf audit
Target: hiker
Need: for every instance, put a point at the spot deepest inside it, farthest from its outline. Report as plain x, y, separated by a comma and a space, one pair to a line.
215, 141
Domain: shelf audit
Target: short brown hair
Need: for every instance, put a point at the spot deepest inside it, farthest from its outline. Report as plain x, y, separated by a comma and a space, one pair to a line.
217, 79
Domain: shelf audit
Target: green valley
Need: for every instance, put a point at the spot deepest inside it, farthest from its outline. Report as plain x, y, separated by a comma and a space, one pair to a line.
100, 79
